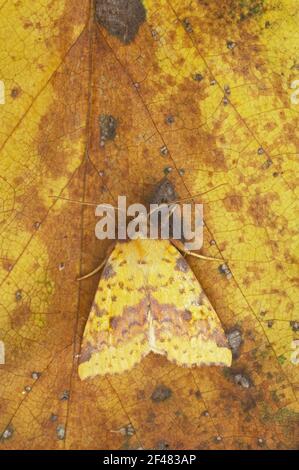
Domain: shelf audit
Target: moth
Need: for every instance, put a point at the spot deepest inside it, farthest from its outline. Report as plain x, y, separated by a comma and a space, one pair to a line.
148, 299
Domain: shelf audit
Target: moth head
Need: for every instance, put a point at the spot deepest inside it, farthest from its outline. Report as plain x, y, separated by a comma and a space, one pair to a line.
163, 193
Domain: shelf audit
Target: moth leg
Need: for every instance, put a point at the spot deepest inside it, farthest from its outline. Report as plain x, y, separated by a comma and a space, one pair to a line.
96, 270
180, 246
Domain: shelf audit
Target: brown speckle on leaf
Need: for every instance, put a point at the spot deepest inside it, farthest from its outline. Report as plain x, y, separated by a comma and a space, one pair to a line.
15, 92
61, 266
267, 164
187, 25
127, 431
161, 393
108, 271
167, 170
169, 119
230, 44
224, 269
36, 375
108, 126
8, 433
197, 77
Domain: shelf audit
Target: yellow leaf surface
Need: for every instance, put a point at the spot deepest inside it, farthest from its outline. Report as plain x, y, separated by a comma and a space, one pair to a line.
211, 82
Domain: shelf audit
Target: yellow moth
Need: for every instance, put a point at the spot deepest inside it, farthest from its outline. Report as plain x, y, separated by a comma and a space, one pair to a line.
148, 299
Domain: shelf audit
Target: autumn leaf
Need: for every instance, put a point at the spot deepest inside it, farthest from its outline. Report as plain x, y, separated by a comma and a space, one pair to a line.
197, 90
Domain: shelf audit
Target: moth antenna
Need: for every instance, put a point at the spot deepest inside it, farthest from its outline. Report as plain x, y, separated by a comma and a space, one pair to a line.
180, 246
197, 195
187, 198
83, 203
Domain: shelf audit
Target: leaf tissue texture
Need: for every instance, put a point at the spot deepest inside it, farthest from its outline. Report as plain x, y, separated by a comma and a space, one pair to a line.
104, 99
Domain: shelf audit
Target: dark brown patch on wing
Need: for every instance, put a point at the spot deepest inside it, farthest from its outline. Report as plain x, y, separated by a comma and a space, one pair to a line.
161, 393
169, 313
114, 322
99, 312
108, 271
181, 265
86, 353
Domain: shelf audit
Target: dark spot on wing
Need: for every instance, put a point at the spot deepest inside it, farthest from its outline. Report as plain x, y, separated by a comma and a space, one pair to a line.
181, 265
86, 353
108, 271
99, 312
113, 322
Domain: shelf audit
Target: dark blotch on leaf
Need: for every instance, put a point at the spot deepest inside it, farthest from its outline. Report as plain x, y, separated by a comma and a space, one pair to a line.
169, 119
18, 295
162, 445
295, 325
242, 380
60, 431
187, 25
238, 376
161, 393
127, 431
234, 338
7, 434
230, 44
121, 18
65, 395
198, 77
